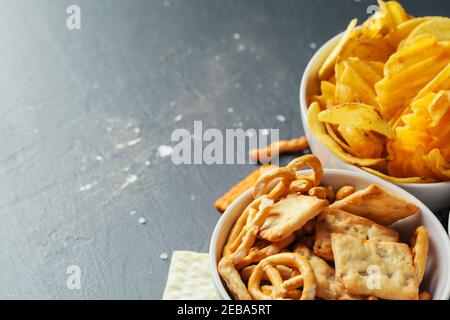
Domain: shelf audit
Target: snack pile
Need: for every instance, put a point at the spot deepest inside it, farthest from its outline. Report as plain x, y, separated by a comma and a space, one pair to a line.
384, 102
302, 240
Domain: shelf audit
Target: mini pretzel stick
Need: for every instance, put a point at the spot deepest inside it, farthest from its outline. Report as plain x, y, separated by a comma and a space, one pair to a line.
279, 147
263, 183
281, 287
233, 280
285, 272
300, 186
224, 201
319, 192
308, 161
259, 254
344, 192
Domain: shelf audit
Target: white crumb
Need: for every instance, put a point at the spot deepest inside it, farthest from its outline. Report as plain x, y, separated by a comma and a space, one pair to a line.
164, 256
132, 178
178, 118
236, 36
142, 220
164, 151
281, 118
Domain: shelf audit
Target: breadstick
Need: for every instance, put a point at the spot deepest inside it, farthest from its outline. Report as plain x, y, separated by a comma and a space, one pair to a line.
279, 147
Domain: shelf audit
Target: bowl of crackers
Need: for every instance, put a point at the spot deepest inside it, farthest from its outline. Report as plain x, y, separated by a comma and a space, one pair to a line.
376, 100
328, 234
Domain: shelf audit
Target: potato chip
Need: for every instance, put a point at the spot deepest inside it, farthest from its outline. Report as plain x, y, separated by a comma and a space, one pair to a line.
395, 179
403, 30
332, 132
326, 71
440, 82
363, 144
358, 115
326, 99
408, 71
318, 129
437, 164
356, 79
438, 27
395, 14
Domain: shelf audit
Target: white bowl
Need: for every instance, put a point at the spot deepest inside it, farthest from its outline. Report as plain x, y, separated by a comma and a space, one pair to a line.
437, 276
435, 195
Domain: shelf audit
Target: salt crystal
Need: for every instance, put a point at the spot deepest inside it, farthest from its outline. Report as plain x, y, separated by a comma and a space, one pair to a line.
142, 220
164, 256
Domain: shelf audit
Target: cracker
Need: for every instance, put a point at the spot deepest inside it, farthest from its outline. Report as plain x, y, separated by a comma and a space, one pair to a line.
419, 248
228, 198
382, 269
377, 205
189, 277
338, 221
289, 215
233, 279
327, 287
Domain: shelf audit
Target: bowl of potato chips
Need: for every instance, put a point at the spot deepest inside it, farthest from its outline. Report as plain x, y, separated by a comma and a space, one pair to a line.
376, 99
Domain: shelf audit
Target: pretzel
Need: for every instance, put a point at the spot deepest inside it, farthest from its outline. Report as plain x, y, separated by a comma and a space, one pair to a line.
286, 176
279, 147
243, 234
284, 271
280, 288
308, 161
256, 254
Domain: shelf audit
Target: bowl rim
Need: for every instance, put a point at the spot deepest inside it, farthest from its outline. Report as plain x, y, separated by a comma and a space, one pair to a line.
218, 284
304, 108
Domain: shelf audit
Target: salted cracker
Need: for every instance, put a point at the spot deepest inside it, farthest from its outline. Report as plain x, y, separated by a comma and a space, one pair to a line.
371, 268
190, 277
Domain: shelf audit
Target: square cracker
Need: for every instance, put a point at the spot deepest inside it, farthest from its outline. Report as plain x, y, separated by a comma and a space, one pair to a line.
381, 269
327, 287
376, 204
338, 221
190, 277
289, 215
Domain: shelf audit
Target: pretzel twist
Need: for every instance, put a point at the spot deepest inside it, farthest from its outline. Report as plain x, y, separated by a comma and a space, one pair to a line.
308, 161
285, 175
243, 234
280, 288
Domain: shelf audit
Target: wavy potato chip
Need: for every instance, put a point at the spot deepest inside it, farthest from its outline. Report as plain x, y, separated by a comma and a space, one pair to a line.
363, 144
440, 82
408, 71
395, 179
358, 115
326, 71
437, 164
403, 30
438, 27
318, 129
395, 14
